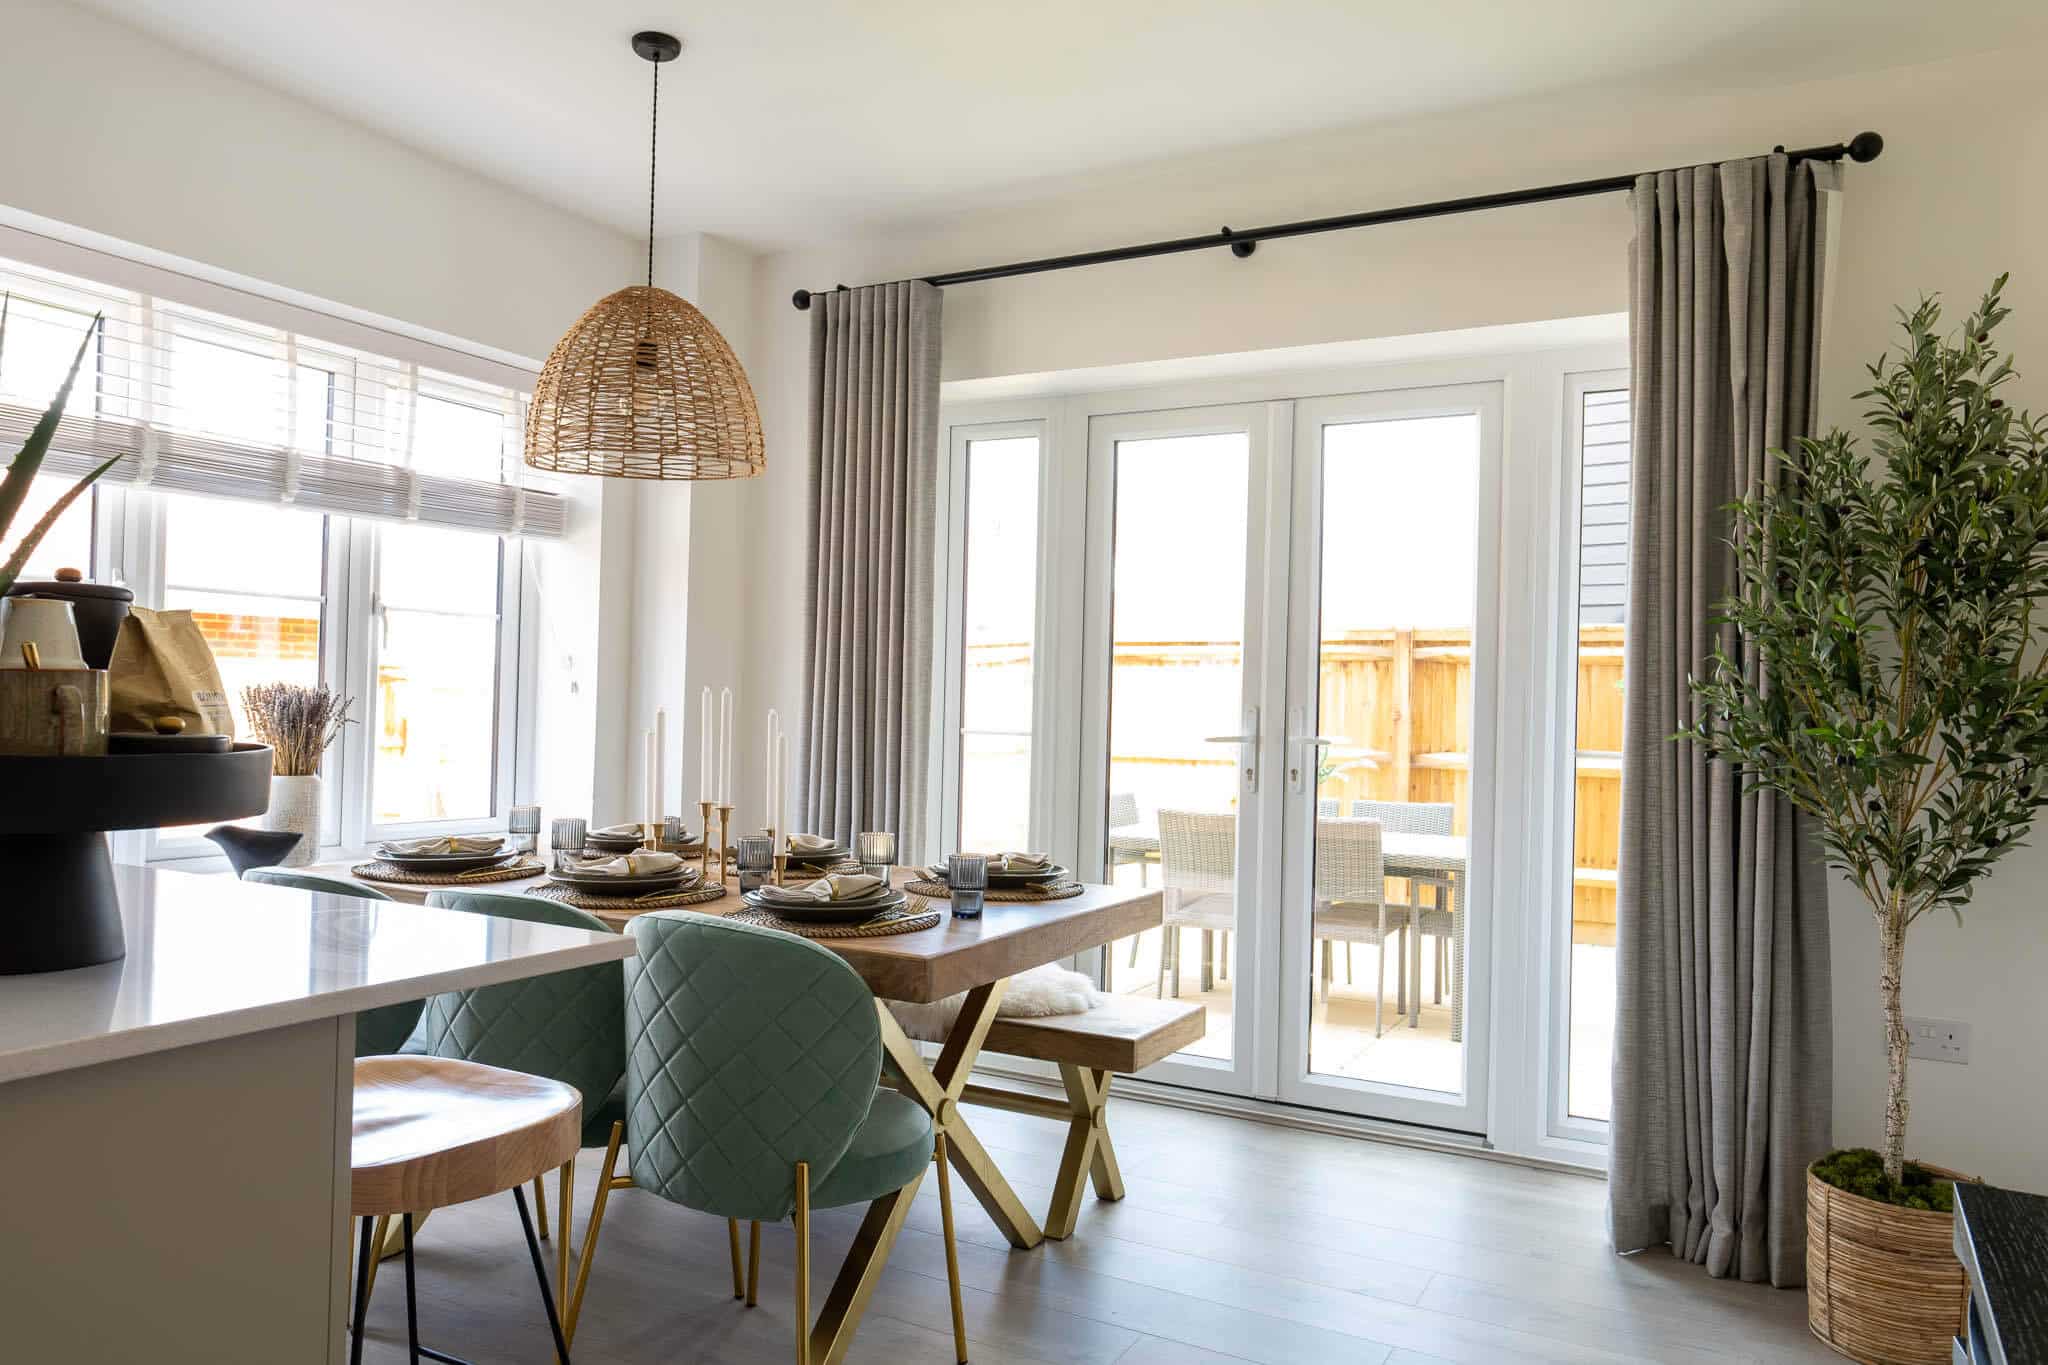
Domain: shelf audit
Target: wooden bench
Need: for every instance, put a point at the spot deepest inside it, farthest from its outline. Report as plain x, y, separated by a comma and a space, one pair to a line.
1124, 1034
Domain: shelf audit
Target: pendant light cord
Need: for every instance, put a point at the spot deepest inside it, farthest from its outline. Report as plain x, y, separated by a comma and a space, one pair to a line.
653, 142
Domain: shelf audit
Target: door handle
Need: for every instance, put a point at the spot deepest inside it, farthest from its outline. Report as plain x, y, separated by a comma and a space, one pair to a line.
1300, 768
1248, 747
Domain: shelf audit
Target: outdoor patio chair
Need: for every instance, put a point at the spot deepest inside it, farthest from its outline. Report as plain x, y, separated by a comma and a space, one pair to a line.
1351, 904
1198, 863
1420, 817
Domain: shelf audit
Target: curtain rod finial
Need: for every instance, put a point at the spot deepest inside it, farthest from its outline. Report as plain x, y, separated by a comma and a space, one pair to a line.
802, 299
1865, 146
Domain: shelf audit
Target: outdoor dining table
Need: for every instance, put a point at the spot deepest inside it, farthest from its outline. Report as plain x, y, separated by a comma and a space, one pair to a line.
975, 956
1438, 860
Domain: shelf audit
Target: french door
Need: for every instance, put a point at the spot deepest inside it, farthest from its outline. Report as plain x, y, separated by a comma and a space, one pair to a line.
1291, 624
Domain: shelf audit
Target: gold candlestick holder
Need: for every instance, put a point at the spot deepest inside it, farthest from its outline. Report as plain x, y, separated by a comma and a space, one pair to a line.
724, 839
704, 858
781, 867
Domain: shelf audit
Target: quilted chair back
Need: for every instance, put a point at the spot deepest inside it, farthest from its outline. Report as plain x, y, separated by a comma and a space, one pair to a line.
567, 1026
385, 1028
747, 1051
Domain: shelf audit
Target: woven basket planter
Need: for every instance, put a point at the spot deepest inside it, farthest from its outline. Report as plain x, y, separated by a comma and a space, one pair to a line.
1883, 1285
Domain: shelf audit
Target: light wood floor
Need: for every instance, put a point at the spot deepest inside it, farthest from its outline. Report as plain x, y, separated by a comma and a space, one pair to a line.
1238, 1242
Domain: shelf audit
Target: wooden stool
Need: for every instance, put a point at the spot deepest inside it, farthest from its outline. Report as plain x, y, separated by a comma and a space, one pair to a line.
434, 1131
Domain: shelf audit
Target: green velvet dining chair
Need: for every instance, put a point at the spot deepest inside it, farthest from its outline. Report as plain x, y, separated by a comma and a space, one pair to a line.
378, 1031
753, 1069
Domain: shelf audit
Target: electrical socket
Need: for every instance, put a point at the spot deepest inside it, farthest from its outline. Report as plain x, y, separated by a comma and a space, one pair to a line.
1938, 1040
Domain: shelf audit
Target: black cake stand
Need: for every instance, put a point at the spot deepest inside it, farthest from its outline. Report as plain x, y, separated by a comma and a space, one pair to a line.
58, 908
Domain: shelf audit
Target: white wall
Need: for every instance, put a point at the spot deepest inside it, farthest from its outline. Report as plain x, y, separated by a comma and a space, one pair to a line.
113, 132
1957, 196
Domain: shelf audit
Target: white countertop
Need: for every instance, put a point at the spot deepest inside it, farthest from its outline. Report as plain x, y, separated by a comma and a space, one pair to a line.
210, 957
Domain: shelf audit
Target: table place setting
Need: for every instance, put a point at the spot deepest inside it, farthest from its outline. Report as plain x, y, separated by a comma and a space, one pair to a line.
640, 880
446, 860
1000, 877
837, 905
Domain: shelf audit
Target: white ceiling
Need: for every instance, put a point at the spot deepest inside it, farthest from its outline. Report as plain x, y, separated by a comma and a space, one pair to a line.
790, 121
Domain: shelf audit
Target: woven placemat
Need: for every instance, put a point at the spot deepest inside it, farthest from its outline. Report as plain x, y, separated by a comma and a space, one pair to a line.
666, 900
889, 922
405, 876
1058, 891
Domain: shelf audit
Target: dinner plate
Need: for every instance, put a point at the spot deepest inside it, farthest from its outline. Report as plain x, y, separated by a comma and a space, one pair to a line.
820, 855
614, 843
828, 912
624, 883
1001, 877
444, 862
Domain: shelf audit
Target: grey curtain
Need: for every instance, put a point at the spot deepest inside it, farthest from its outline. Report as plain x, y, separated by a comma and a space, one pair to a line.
874, 431
1723, 1047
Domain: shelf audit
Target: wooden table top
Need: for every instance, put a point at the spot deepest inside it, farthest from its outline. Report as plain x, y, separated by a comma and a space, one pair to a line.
953, 956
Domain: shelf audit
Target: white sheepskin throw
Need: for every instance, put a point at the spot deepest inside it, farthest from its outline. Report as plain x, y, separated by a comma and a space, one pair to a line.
1050, 989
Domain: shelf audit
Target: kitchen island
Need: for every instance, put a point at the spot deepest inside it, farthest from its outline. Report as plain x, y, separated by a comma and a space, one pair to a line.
174, 1125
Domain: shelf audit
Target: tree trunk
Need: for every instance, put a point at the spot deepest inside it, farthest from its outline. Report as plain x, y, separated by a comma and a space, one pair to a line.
1892, 940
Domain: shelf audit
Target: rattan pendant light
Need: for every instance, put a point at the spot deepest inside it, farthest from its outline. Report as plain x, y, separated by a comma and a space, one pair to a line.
643, 386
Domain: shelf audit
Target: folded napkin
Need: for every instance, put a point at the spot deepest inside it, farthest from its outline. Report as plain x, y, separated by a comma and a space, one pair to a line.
1020, 862
626, 831
840, 886
632, 864
445, 843
811, 843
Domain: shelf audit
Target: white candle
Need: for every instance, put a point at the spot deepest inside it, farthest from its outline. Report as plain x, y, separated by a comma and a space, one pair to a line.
781, 778
768, 793
647, 776
725, 746
704, 792
660, 762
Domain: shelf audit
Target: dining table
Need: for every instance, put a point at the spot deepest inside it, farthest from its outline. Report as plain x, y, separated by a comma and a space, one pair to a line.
972, 957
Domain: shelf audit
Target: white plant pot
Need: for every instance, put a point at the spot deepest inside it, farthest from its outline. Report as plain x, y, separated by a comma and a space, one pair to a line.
295, 807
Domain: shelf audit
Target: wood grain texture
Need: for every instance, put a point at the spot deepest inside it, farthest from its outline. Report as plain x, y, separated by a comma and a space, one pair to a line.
1123, 1034
435, 1131
955, 956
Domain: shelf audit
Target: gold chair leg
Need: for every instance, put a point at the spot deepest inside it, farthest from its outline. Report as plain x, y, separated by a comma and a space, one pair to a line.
568, 1203
739, 1279
540, 1207
803, 1263
574, 1306
753, 1263
952, 1251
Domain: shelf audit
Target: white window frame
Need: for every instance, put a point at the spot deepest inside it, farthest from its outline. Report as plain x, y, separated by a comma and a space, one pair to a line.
953, 481
1527, 1012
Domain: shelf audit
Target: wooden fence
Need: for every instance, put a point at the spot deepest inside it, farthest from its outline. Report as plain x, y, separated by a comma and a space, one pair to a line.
1400, 704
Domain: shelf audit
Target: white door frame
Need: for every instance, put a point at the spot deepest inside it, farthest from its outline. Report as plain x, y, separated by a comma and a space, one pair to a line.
1465, 1110
1252, 1040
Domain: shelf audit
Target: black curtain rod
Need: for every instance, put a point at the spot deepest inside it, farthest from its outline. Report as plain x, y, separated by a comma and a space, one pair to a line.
1862, 147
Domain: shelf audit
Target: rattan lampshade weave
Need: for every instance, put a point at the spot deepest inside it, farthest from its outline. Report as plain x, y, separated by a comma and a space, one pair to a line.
644, 387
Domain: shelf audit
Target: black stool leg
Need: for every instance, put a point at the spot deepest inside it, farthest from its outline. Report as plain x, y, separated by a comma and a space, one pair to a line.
355, 1350
540, 1272
412, 1307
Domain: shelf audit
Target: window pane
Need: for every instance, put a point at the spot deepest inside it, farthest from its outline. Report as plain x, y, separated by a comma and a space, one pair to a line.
1177, 679
1596, 813
1400, 556
437, 676
999, 618
68, 544
254, 579
457, 439
37, 352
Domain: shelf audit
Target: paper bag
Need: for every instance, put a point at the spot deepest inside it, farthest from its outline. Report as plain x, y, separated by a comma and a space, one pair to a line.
162, 666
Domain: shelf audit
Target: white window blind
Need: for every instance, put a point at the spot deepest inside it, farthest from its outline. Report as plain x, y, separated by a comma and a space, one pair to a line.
1603, 506
198, 402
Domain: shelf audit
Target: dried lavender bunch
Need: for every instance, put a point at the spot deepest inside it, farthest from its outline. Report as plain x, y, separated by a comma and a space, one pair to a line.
297, 722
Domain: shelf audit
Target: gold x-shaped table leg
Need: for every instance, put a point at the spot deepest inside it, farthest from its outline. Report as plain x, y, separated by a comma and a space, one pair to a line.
938, 1089
1089, 1153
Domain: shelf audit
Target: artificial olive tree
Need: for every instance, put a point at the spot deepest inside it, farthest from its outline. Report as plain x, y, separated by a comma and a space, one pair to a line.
1885, 678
